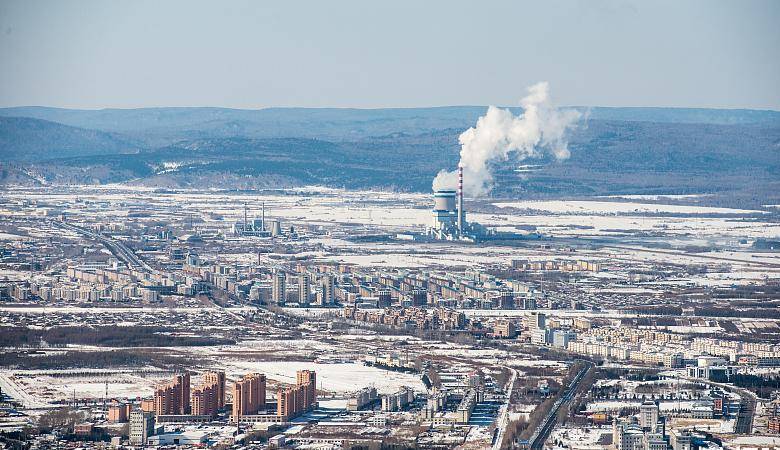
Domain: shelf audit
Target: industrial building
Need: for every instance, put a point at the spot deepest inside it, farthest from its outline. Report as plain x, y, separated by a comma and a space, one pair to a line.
449, 216
256, 227
449, 219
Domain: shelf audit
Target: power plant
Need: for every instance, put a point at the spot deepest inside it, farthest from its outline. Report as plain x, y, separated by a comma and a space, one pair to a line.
255, 227
450, 224
258, 227
449, 217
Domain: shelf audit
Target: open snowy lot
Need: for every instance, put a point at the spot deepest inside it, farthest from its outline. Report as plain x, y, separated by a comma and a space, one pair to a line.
601, 207
580, 438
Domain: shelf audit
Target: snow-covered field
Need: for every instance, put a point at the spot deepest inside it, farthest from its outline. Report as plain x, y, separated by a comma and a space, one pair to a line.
600, 207
41, 388
580, 438
11, 237
655, 197
711, 425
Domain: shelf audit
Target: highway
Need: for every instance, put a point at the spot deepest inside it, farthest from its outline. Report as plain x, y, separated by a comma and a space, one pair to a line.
543, 431
117, 248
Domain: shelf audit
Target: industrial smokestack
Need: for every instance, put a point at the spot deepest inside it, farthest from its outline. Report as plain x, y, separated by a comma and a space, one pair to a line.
460, 199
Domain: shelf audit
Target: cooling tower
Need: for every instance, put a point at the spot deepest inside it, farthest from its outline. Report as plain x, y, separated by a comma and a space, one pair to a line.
444, 200
276, 227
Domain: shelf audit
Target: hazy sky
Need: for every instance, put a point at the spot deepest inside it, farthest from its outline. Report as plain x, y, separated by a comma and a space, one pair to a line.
252, 54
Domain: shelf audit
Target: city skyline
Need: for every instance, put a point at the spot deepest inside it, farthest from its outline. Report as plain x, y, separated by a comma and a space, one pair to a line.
587, 257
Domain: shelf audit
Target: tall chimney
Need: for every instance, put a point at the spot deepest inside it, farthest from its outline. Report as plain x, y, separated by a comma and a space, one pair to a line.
262, 221
460, 199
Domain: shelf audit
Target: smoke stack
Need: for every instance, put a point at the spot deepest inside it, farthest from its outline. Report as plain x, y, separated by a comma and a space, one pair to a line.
460, 199
262, 221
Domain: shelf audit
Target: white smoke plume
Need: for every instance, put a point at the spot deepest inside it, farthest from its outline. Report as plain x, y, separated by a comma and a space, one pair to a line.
499, 133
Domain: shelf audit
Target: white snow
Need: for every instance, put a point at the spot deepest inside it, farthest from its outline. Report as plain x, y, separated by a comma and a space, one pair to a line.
598, 207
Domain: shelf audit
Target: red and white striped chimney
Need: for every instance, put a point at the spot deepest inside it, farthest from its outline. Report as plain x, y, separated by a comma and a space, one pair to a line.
460, 198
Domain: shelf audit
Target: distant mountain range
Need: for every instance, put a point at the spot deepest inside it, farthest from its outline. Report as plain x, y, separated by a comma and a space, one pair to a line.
617, 150
157, 126
26, 139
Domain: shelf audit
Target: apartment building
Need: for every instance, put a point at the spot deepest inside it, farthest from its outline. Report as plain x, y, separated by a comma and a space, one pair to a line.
173, 398
249, 395
209, 397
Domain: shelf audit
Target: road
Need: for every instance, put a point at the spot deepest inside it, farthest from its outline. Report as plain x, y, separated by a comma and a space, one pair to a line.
503, 415
117, 248
747, 408
747, 404
543, 431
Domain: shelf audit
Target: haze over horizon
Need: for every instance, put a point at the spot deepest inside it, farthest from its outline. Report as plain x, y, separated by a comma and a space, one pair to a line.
354, 55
